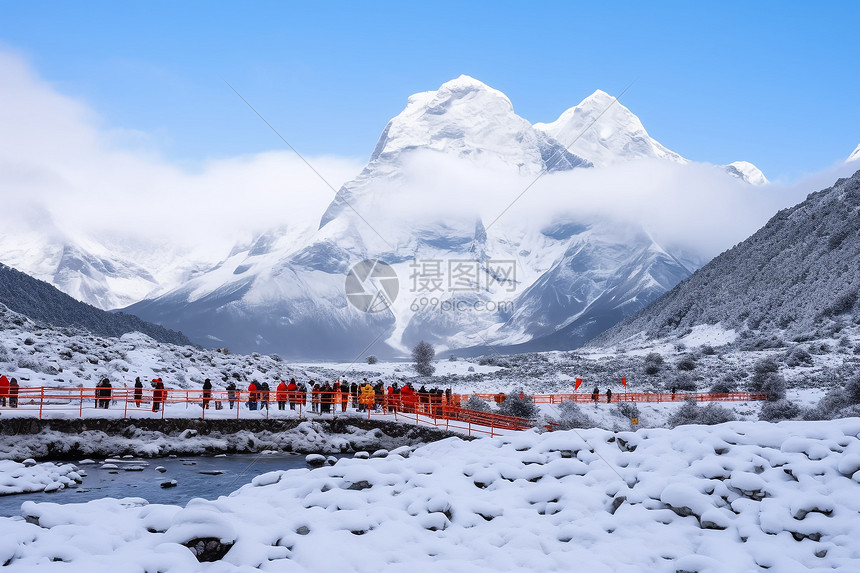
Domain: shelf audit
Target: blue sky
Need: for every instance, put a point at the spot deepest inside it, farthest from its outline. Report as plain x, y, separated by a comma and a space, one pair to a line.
774, 83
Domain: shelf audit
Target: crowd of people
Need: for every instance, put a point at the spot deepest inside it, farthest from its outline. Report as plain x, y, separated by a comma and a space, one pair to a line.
323, 398
326, 397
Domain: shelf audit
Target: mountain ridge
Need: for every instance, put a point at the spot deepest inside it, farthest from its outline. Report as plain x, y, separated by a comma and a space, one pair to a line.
793, 278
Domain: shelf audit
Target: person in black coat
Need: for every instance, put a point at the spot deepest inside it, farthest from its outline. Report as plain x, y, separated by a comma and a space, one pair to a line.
264, 395
138, 391
231, 393
13, 393
207, 392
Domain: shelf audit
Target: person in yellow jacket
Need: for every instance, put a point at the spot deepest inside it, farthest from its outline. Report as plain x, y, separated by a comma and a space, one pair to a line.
367, 397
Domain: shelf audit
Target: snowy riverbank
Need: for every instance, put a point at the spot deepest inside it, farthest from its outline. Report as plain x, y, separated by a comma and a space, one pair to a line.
741, 496
66, 439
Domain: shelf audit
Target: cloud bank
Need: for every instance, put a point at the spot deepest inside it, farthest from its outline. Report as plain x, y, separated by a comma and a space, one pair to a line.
61, 168
63, 171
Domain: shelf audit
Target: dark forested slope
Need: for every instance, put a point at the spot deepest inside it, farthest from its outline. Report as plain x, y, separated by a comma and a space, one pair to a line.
42, 302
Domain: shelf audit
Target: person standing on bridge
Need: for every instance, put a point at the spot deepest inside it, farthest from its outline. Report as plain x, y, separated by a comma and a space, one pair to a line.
138, 391
292, 393
207, 393
13, 393
252, 395
231, 393
264, 395
281, 395
158, 394
344, 395
4, 389
608, 395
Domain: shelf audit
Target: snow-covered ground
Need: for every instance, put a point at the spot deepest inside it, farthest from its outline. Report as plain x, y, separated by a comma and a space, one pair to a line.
39, 355
742, 496
28, 476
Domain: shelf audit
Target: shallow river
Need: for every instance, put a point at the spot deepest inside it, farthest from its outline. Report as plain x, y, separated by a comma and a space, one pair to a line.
235, 471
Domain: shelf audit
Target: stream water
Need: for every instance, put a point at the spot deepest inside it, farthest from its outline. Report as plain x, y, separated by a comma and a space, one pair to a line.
206, 477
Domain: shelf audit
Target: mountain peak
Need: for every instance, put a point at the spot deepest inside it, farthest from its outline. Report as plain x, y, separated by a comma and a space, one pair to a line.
604, 132
466, 118
855, 155
746, 171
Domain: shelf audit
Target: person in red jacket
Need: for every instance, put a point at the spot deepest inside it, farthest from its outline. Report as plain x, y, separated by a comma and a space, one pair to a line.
4, 389
281, 395
158, 394
292, 393
252, 395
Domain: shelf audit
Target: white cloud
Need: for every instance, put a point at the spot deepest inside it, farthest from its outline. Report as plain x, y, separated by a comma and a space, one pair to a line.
697, 209
59, 163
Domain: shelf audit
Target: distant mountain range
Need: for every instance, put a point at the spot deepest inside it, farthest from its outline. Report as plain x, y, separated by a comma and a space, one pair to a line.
43, 302
797, 278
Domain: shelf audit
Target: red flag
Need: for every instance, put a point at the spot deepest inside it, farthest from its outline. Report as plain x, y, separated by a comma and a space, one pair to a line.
624, 382
576, 385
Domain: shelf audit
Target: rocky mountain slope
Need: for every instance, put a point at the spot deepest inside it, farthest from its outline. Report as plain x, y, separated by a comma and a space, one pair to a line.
796, 278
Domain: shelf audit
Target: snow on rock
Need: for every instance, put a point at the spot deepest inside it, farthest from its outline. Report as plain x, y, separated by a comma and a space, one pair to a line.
705, 499
29, 476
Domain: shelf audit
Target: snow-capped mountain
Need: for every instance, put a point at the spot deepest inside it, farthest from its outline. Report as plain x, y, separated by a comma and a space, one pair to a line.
605, 132
466, 119
568, 280
855, 155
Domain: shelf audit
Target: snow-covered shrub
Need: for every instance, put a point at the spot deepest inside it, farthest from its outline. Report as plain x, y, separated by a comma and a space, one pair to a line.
494, 361
686, 363
372, 359
34, 363
838, 403
763, 343
5, 355
653, 363
521, 407
766, 378
682, 383
779, 410
724, 386
798, 356
452, 358
628, 410
708, 350
476, 403
691, 413
570, 415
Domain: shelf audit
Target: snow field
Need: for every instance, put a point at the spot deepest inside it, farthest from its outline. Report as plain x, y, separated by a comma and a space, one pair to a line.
741, 496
